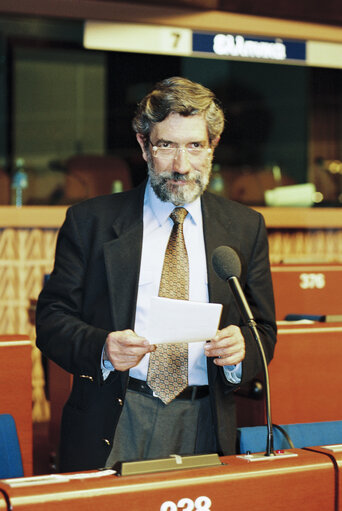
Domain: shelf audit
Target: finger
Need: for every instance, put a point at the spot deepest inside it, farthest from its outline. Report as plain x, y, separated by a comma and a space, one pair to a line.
227, 361
123, 361
128, 338
225, 353
227, 332
232, 359
131, 353
219, 348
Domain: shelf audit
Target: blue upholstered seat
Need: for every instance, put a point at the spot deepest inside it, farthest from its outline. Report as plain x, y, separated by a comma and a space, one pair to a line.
310, 434
10, 456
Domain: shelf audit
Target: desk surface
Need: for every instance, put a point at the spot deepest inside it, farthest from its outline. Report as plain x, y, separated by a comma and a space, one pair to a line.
305, 481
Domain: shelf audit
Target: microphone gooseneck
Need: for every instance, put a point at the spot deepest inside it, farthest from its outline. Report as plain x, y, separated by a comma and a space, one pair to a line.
227, 266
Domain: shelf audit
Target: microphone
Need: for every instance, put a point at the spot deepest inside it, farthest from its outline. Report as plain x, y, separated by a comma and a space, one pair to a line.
227, 266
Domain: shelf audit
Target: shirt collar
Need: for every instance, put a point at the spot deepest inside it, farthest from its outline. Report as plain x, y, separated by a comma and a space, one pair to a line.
162, 210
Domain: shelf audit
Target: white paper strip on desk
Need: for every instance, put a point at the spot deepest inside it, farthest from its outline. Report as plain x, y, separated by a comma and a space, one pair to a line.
172, 321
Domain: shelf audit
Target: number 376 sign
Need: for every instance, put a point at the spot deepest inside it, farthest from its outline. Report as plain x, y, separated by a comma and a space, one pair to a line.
312, 280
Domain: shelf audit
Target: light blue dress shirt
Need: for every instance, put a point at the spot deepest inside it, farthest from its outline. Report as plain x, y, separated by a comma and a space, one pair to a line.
157, 226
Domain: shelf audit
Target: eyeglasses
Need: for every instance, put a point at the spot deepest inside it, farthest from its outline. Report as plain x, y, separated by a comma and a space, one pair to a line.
169, 150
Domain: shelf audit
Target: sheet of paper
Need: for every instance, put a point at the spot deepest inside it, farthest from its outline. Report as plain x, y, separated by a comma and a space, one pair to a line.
182, 321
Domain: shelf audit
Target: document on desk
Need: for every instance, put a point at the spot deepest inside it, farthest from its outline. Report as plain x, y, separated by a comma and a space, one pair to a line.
172, 321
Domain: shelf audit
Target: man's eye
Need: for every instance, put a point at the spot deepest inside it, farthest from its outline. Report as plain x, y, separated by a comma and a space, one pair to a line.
195, 145
165, 145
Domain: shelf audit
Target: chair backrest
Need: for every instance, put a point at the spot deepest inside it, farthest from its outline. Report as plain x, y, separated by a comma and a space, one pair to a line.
10, 456
5, 187
310, 434
92, 175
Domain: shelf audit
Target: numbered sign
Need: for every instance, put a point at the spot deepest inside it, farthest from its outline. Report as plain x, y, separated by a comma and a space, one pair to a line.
307, 289
200, 504
139, 38
312, 280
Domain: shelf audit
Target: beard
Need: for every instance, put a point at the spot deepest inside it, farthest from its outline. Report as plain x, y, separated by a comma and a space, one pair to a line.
195, 181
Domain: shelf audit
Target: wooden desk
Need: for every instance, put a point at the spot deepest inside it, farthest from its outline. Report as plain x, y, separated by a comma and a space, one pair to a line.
305, 481
16, 390
305, 377
307, 289
335, 453
305, 374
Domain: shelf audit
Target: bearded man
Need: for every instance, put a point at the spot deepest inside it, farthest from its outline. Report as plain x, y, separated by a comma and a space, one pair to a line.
132, 399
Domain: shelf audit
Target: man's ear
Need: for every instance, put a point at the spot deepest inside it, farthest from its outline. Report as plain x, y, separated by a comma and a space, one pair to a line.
215, 142
141, 142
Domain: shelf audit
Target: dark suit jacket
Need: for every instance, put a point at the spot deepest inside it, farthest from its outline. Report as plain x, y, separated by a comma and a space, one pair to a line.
93, 289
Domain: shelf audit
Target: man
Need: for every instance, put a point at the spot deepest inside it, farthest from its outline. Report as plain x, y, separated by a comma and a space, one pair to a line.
92, 314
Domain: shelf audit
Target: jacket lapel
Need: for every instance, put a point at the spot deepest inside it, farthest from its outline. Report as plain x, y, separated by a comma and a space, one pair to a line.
122, 260
218, 231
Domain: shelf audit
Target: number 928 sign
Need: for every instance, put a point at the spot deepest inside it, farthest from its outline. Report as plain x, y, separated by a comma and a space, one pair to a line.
185, 504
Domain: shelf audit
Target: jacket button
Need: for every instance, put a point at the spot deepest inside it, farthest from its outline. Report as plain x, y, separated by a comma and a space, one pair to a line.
87, 377
120, 401
106, 441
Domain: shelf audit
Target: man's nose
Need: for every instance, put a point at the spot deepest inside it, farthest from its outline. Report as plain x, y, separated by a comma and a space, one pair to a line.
181, 162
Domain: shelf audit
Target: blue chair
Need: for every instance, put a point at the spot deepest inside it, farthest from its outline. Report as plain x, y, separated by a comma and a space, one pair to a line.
253, 439
11, 464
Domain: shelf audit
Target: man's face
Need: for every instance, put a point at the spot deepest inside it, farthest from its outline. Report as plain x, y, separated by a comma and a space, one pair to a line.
183, 175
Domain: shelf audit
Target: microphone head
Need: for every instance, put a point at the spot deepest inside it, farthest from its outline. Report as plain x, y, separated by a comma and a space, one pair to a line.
226, 262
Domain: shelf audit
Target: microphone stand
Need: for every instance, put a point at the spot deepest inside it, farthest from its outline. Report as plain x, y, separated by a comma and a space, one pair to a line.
269, 445
250, 321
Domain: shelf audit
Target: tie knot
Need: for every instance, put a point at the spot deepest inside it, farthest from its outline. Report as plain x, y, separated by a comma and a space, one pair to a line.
178, 215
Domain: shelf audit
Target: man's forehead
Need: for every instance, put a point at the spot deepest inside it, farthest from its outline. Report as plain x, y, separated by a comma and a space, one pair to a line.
179, 126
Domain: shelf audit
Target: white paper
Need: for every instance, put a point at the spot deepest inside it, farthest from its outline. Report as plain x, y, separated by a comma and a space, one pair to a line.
172, 321
55, 478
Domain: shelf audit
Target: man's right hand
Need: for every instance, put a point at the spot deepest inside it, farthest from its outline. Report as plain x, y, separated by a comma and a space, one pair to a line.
125, 349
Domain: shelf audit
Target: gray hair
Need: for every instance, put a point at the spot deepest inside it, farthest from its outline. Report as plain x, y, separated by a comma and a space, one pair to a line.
182, 96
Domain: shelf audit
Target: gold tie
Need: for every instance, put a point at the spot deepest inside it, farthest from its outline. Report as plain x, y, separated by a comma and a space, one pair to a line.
168, 369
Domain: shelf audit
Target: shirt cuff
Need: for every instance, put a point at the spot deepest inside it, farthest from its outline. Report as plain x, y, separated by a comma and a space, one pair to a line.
233, 373
106, 366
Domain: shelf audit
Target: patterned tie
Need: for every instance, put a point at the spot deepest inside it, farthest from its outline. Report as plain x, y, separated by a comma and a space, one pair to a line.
168, 369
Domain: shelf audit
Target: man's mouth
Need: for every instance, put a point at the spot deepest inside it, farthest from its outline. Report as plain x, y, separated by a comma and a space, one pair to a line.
180, 179
178, 182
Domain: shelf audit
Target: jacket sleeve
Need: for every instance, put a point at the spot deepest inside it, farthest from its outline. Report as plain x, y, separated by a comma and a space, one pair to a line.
258, 289
62, 333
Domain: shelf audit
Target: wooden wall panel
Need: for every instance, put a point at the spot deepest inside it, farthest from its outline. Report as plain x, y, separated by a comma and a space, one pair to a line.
25, 256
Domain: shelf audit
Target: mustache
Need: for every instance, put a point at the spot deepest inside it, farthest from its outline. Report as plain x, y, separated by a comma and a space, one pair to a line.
176, 176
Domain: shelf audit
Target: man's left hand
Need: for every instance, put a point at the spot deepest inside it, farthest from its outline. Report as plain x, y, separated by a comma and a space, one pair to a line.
228, 346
